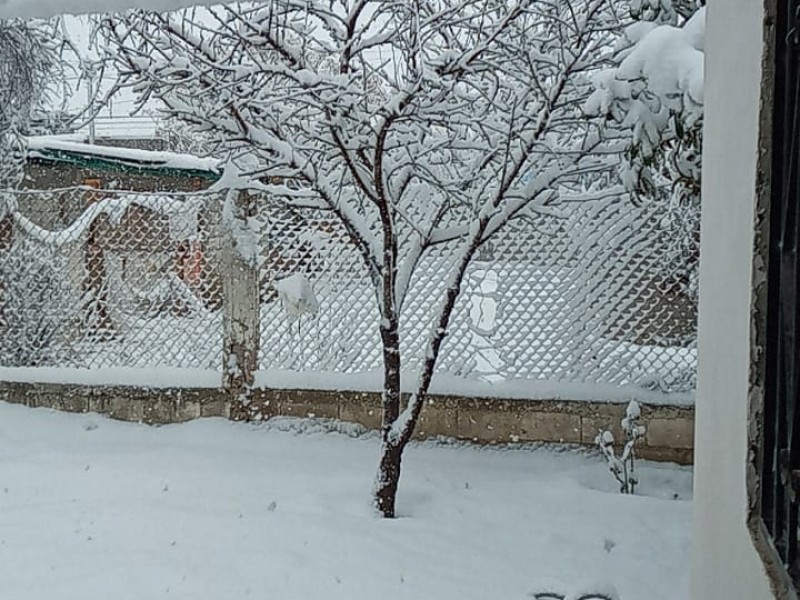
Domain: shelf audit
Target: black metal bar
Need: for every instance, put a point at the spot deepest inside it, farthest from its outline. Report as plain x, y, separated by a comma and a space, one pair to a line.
789, 289
781, 426
770, 500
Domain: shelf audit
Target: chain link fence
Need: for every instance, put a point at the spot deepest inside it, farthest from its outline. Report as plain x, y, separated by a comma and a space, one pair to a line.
96, 278
603, 293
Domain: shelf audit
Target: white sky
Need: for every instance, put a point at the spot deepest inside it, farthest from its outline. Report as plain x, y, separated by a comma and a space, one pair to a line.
114, 118
49, 8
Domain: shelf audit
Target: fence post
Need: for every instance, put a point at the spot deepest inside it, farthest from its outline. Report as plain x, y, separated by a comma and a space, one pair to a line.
240, 293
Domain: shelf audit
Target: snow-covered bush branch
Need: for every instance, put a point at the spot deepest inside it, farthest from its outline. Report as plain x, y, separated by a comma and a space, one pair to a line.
654, 97
665, 11
415, 123
623, 467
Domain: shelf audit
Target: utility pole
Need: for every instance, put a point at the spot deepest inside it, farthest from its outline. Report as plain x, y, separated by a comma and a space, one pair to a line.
90, 74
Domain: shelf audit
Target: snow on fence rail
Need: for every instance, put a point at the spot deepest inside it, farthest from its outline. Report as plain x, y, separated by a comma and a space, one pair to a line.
603, 293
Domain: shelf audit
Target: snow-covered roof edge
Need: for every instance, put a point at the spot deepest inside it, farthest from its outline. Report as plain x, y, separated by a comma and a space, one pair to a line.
49, 148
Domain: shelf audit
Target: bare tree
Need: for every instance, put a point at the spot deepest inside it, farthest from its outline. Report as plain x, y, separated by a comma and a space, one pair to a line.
36, 58
417, 123
28, 59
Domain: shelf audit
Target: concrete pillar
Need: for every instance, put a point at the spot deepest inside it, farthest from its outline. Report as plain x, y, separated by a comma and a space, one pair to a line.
241, 317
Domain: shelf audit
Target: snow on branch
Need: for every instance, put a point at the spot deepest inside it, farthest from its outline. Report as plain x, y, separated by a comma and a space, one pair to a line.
653, 96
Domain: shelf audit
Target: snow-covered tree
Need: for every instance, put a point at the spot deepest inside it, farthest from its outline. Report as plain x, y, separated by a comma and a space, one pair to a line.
654, 96
177, 138
416, 123
30, 288
653, 99
28, 59
38, 60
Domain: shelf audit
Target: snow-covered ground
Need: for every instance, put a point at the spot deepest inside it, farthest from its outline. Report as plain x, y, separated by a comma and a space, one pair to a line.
212, 510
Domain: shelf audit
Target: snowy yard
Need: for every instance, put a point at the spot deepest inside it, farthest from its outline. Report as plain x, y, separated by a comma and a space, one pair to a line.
96, 509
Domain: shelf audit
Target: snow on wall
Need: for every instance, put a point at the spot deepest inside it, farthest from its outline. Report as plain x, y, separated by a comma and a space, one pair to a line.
160, 377
448, 384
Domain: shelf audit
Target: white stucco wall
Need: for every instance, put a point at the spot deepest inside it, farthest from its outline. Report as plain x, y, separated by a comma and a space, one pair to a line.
725, 563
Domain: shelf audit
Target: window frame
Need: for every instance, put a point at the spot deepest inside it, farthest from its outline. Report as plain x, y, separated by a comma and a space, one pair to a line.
774, 433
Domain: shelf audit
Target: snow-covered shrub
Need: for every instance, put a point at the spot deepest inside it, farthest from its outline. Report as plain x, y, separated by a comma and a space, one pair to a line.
36, 306
665, 11
653, 98
623, 467
682, 380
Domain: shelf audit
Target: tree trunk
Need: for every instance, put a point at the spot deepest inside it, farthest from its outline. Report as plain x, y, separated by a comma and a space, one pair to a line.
390, 339
396, 434
388, 479
389, 469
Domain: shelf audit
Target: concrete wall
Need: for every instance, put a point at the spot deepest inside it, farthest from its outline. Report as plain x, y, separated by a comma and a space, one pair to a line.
725, 562
480, 420
46, 175
141, 405
493, 421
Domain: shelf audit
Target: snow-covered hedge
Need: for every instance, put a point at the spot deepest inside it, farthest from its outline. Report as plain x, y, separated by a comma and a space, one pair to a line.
36, 304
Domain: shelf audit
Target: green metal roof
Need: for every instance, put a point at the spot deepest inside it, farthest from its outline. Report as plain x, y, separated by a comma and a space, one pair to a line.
134, 166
